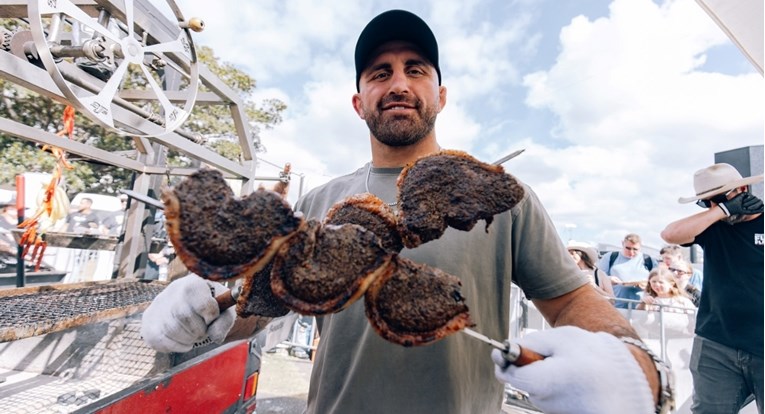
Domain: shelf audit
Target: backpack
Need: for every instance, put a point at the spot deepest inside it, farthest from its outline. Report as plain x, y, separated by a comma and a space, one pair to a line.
647, 261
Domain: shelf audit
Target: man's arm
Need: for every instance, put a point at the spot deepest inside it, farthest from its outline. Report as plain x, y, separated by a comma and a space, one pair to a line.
685, 230
586, 309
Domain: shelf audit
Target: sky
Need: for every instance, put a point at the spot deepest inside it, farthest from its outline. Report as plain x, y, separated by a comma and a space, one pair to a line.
616, 103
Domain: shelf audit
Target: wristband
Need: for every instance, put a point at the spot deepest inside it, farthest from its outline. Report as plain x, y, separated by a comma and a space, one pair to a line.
666, 378
724, 208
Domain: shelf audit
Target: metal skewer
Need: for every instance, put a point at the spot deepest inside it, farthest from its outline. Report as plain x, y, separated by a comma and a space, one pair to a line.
508, 157
513, 353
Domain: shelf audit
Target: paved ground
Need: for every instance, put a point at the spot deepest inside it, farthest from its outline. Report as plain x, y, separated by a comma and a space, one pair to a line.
283, 383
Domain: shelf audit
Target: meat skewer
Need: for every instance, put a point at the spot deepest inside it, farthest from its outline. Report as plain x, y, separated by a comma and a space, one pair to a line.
315, 269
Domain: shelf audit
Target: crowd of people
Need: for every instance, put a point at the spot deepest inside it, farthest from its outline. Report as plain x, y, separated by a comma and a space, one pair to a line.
625, 276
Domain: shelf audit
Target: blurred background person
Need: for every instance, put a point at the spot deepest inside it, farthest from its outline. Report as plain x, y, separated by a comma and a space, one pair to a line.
671, 252
112, 223
628, 270
662, 289
83, 219
682, 272
585, 256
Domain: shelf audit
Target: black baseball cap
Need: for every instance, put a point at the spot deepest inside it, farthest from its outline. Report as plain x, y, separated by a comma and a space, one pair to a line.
395, 25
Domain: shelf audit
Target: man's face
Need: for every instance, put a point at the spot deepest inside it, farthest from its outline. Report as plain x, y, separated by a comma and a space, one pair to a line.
84, 205
668, 258
399, 95
630, 249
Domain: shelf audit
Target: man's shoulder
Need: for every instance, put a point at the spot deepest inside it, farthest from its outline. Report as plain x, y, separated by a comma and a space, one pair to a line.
333, 190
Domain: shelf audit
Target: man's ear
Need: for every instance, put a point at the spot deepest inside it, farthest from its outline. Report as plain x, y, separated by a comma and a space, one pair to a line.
358, 106
441, 97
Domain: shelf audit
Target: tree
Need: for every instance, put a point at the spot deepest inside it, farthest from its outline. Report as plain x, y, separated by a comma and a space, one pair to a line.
28, 108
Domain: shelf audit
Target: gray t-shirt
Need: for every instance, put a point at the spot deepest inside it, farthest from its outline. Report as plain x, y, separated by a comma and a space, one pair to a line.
357, 371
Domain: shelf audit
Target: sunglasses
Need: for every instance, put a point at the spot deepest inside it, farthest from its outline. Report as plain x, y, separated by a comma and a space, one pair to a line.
679, 271
720, 198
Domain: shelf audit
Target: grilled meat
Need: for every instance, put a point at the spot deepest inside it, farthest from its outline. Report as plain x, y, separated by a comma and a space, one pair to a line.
219, 236
451, 188
415, 304
323, 269
257, 298
373, 214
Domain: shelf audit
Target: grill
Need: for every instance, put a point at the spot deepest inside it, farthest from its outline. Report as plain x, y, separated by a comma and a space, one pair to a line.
35, 311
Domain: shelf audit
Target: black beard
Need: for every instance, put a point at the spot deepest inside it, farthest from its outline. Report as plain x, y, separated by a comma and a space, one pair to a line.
401, 131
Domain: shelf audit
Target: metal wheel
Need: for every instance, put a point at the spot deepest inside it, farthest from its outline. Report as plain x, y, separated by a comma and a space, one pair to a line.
106, 64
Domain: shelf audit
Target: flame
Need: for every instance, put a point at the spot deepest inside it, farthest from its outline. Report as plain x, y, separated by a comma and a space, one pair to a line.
33, 232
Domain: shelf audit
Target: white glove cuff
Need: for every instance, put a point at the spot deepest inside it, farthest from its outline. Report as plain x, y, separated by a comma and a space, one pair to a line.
639, 397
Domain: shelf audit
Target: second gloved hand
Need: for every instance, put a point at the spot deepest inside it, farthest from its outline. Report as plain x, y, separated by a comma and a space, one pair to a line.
584, 373
742, 204
184, 313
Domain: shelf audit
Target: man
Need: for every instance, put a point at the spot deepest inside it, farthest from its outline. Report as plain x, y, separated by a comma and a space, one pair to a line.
84, 220
628, 269
672, 253
112, 223
726, 360
399, 94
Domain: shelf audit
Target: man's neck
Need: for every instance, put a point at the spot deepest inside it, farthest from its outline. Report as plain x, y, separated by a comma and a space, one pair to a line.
384, 156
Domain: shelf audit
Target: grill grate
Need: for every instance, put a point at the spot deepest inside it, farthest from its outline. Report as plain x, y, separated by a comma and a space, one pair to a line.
34, 311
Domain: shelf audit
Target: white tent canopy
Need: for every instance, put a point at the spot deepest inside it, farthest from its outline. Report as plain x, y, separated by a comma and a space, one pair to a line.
742, 21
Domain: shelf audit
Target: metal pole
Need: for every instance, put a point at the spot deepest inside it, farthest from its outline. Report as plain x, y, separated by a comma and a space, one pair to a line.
20, 214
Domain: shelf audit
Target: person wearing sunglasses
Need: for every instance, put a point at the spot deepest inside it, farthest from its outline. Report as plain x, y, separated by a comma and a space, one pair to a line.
628, 270
682, 271
727, 356
672, 252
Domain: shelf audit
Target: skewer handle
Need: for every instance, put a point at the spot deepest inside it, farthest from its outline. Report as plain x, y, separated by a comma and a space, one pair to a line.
228, 298
519, 356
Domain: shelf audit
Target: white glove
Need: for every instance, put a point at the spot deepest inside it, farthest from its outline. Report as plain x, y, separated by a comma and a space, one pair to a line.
583, 373
184, 313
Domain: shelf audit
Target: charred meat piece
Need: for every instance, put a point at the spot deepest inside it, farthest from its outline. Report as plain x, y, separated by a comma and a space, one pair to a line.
219, 236
371, 213
323, 269
416, 304
451, 188
257, 298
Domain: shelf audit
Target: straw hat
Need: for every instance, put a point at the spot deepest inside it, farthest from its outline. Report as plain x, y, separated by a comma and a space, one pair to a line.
585, 248
717, 179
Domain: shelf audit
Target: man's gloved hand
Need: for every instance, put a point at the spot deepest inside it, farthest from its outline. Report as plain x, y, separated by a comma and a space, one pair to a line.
742, 204
184, 313
584, 373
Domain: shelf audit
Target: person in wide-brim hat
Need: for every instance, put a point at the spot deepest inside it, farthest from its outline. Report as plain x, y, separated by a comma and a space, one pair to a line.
717, 179
729, 320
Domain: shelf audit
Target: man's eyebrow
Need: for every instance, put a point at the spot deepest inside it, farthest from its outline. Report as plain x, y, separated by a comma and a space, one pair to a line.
379, 66
417, 62
388, 66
